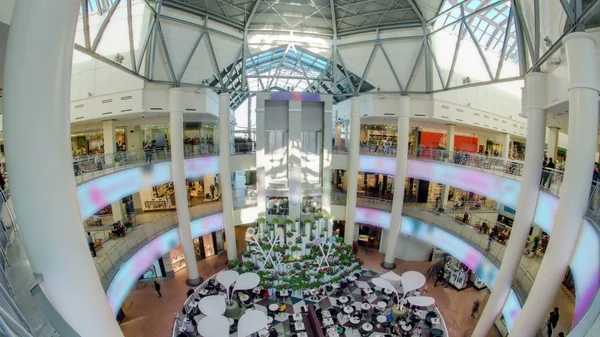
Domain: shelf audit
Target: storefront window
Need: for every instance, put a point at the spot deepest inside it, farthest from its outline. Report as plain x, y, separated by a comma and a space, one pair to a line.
369, 236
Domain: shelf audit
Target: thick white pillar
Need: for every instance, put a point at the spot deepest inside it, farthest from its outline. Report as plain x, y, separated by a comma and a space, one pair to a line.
352, 173
261, 181
535, 90
327, 148
39, 60
506, 146
134, 139
583, 122
138, 206
553, 133
180, 186
225, 174
450, 137
338, 136
110, 144
294, 158
399, 181
449, 147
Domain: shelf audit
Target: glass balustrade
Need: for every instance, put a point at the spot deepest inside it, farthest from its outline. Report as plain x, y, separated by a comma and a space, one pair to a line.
93, 166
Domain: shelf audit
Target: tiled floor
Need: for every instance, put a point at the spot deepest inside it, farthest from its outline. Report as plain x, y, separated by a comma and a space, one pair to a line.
148, 315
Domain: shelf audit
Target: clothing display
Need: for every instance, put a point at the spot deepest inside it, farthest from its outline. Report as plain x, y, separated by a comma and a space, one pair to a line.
457, 274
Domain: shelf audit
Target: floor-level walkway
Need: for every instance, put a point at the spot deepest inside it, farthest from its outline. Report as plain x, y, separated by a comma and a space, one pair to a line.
148, 315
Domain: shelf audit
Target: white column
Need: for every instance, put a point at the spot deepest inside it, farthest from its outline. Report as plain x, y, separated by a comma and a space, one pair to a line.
108, 132
352, 173
225, 174
338, 136
261, 182
553, 133
180, 186
138, 206
294, 158
399, 181
450, 147
450, 137
134, 139
506, 147
535, 89
39, 60
583, 122
327, 148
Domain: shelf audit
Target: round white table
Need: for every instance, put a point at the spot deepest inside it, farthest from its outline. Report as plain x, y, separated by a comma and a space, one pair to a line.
381, 304
381, 319
388, 291
349, 309
273, 307
354, 320
231, 321
244, 297
343, 299
406, 327
269, 319
367, 327
365, 306
351, 278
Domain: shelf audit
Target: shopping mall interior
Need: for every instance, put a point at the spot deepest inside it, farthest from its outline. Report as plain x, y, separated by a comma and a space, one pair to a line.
299, 168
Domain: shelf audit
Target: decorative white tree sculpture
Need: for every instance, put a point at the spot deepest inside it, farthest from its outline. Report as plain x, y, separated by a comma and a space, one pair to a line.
288, 256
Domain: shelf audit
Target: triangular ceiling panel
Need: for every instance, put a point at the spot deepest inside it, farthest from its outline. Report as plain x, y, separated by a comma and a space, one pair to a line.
403, 55
161, 67
200, 67
417, 84
380, 73
355, 57
180, 49
443, 45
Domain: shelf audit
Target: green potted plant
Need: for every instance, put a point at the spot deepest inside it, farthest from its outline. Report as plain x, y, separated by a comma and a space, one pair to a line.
275, 221
440, 210
128, 224
288, 222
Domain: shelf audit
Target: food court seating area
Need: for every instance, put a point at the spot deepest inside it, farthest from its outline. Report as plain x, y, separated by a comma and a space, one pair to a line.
353, 307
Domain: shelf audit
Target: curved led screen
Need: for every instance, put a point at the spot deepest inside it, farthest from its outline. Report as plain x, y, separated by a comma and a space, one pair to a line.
138, 263
100, 192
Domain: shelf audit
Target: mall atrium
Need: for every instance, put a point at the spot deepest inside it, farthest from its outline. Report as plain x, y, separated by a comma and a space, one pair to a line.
288, 126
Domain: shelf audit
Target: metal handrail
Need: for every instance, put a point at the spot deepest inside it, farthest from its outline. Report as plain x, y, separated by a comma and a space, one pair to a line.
108, 265
93, 166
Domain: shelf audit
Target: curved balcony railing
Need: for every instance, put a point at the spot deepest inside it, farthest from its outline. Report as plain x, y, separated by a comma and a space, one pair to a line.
243, 147
551, 178
452, 221
108, 262
93, 166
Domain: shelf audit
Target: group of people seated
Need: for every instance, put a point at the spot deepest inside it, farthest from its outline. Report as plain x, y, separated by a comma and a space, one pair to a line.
118, 229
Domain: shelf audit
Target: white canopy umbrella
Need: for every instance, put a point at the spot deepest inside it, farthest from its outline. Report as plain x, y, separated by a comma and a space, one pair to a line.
214, 326
252, 321
247, 281
212, 305
421, 301
412, 280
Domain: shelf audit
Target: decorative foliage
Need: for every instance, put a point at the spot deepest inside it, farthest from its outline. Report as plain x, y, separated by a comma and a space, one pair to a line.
286, 260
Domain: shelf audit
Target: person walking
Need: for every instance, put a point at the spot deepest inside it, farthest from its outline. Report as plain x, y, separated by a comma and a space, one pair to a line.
475, 309
90, 241
549, 167
212, 191
157, 288
440, 277
552, 321
148, 152
491, 238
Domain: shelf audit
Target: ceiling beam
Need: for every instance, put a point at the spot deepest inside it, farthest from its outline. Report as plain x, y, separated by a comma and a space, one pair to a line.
417, 10
333, 21
251, 16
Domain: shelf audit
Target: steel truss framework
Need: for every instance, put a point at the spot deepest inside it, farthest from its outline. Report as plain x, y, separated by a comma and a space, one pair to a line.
497, 25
